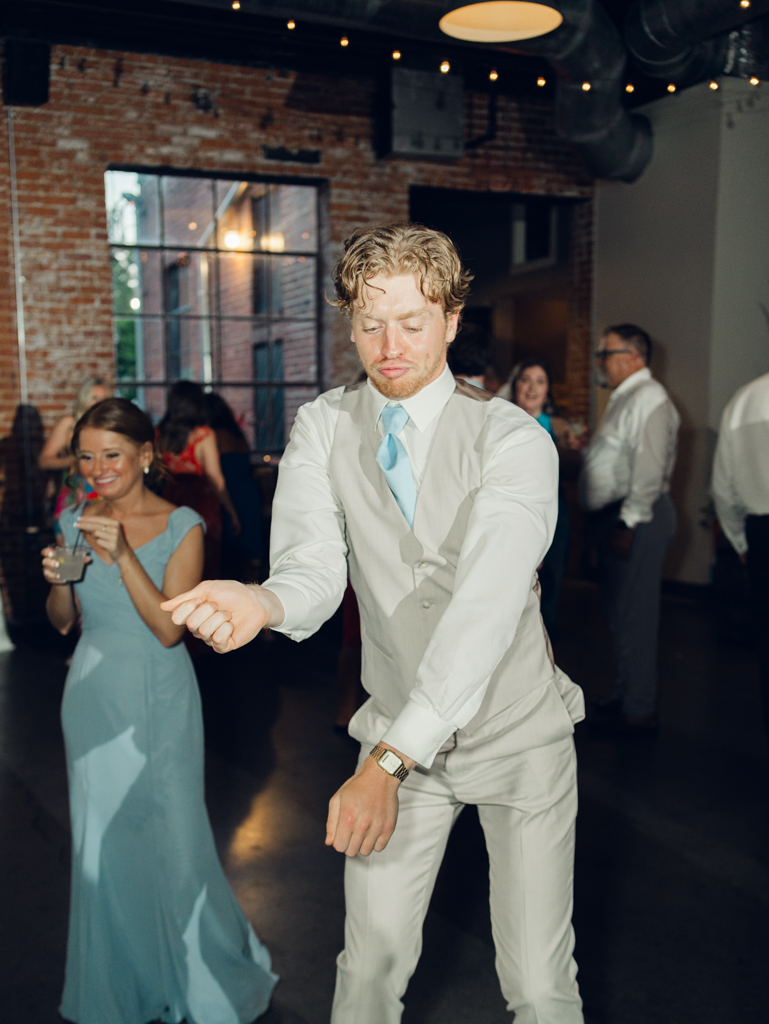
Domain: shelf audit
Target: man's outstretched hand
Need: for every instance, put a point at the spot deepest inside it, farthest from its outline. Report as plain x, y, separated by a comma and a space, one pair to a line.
224, 613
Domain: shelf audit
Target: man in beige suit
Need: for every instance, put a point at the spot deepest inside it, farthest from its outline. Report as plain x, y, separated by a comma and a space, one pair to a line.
442, 501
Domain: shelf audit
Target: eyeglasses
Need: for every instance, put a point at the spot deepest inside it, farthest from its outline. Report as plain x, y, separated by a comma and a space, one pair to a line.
603, 354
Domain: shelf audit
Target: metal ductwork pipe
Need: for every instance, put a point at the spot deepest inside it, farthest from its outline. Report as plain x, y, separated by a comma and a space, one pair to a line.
588, 49
685, 41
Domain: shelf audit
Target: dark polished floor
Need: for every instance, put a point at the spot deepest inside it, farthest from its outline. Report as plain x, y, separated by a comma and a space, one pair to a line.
672, 880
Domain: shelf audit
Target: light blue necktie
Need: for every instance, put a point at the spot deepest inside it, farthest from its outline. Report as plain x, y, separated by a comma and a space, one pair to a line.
392, 458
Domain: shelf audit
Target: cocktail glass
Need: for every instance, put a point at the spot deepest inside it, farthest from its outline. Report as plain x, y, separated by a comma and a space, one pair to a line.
71, 563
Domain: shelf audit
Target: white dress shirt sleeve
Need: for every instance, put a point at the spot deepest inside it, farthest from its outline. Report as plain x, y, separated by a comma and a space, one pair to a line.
650, 460
510, 529
730, 509
308, 552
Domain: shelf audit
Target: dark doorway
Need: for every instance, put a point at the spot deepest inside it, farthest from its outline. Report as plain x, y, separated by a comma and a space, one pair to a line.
517, 247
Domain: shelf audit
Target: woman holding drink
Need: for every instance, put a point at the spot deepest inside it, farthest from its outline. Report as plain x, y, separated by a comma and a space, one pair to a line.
155, 932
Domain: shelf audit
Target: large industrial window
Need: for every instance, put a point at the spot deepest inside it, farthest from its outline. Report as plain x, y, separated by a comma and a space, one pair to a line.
216, 280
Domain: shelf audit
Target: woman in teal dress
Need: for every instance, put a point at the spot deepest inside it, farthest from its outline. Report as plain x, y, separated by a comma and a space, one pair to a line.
155, 932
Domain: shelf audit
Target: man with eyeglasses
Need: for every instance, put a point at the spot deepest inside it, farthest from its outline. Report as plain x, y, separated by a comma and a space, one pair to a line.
624, 488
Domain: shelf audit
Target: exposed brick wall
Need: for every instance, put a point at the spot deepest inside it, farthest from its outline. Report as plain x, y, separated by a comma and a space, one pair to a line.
108, 108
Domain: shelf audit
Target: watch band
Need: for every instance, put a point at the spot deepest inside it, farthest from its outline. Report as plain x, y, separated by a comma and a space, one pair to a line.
379, 753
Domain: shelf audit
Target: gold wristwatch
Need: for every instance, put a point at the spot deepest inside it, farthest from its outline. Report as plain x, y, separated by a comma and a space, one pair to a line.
389, 762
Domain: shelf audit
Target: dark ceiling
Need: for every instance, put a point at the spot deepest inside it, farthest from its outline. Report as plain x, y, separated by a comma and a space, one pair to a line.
257, 35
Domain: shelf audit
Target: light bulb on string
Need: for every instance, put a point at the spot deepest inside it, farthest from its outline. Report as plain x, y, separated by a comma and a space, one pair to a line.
630, 87
344, 41
445, 67
291, 24
714, 85
586, 87
754, 80
541, 81
671, 88
493, 76
745, 4
236, 5
396, 55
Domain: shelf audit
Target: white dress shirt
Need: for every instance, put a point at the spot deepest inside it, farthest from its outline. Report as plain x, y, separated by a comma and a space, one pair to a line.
740, 485
511, 526
632, 454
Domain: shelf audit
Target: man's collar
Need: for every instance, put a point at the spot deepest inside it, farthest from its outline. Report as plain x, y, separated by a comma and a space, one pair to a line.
422, 407
632, 381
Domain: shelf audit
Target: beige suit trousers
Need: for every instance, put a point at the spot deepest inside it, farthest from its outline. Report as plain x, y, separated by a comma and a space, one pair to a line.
527, 803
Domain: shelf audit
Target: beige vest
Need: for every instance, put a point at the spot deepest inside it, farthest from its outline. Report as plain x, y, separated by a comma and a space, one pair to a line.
404, 579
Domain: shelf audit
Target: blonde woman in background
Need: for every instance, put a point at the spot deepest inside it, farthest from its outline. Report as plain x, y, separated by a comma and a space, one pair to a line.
57, 452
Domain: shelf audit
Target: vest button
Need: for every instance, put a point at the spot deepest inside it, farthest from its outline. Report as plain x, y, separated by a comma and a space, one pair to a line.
426, 604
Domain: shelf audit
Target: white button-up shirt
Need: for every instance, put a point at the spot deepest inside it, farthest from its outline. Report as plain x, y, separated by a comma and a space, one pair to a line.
510, 528
740, 485
632, 454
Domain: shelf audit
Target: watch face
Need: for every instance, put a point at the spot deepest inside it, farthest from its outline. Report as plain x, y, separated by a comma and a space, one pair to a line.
390, 762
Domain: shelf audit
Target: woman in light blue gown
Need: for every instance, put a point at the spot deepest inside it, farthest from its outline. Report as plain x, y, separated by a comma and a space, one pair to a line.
155, 931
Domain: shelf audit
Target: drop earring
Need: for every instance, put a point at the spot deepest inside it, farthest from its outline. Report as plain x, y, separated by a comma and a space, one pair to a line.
146, 470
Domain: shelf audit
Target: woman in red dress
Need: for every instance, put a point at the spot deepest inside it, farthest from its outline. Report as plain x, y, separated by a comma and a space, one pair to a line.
191, 455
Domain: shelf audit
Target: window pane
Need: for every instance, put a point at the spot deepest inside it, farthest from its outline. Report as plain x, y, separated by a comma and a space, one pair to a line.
284, 286
284, 218
235, 229
236, 283
133, 207
236, 339
139, 348
189, 284
188, 212
136, 282
299, 345
189, 349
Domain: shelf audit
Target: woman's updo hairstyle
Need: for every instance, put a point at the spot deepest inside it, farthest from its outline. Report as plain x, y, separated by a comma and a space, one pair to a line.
122, 417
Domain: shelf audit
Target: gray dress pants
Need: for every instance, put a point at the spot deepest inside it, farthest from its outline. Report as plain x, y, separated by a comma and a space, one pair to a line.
631, 597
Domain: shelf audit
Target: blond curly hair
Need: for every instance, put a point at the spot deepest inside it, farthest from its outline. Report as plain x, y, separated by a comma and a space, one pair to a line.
402, 249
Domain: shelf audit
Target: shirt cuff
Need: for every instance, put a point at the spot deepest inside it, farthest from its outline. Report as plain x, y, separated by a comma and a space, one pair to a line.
419, 733
294, 606
632, 517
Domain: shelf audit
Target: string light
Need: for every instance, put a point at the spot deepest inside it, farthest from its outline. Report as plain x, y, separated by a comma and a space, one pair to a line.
291, 24
236, 5
745, 3
586, 87
493, 76
714, 85
445, 67
753, 80
671, 88
541, 81
629, 87
344, 41
396, 55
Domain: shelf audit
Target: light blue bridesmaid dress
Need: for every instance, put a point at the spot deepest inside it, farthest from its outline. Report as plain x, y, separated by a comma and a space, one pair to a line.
155, 932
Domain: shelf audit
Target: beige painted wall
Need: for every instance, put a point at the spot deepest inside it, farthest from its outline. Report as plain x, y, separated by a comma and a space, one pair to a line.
684, 252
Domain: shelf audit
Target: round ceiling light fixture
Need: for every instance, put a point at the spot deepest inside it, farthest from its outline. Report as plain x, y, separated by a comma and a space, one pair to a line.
500, 21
